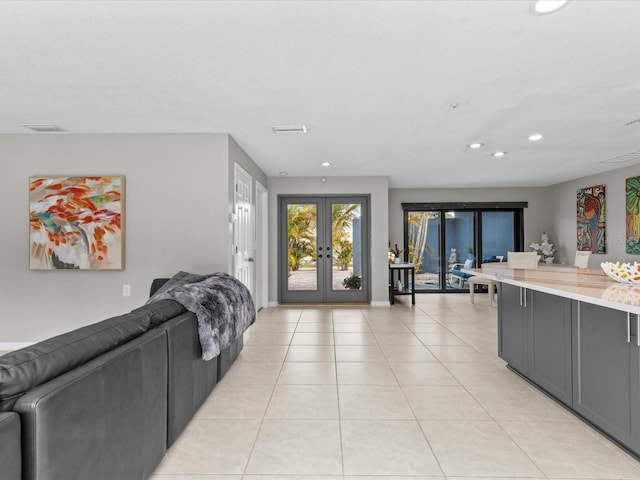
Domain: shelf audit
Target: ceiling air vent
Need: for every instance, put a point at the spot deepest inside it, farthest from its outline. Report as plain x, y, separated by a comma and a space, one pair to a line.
42, 127
627, 157
289, 129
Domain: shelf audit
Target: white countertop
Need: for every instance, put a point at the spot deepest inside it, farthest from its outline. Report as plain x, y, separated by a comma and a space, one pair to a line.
586, 285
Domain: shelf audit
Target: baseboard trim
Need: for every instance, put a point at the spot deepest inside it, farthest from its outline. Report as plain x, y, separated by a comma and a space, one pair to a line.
9, 346
381, 303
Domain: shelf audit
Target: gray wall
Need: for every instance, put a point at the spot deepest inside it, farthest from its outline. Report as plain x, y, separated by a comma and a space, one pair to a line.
537, 218
377, 187
177, 198
179, 193
564, 224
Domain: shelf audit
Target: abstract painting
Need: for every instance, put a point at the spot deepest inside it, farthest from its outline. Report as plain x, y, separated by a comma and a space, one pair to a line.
632, 195
591, 219
76, 223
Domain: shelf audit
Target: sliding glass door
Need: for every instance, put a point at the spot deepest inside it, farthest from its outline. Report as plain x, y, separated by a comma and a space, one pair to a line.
444, 239
498, 235
423, 245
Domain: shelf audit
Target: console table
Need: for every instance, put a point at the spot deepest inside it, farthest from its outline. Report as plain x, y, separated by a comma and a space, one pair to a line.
405, 274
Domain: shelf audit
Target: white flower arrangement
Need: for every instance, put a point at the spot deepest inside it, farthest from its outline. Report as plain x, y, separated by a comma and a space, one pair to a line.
544, 249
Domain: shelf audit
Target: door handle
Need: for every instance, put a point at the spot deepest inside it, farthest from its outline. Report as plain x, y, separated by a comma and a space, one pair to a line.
523, 297
628, 327
251, 259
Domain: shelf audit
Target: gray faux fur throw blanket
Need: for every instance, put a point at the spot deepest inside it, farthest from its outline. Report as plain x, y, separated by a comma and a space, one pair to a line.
222, 304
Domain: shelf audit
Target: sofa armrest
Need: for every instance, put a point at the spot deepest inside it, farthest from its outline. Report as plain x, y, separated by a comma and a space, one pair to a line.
104, 420
11, 452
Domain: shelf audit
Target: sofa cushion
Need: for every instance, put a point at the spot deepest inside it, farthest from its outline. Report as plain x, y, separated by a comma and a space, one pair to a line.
10, 453
28, 367
156, 284
160, 311
191, 379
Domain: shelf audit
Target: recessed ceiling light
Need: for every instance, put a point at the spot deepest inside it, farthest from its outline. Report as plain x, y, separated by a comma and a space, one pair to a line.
476, 145
499, 154
42, 127
326, 164
283, 174
535, 137
545, 7
289, 129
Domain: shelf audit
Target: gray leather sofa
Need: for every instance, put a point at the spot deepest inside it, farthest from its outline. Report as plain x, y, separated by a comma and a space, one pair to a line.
105, 401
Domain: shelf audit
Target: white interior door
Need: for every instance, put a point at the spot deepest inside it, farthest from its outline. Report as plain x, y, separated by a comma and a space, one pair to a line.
243, 230
262, 246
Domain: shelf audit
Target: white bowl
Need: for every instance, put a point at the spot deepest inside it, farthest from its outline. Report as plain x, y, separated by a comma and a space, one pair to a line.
622, 272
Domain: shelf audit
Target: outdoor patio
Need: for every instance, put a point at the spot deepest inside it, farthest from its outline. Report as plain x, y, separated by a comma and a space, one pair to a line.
306, 279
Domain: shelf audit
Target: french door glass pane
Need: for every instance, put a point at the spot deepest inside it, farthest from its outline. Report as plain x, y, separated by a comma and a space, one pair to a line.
424, 248
301, 247
346, 246
498, 235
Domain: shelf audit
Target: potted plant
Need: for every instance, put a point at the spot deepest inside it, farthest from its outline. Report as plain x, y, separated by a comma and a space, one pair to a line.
395, 251
353, 282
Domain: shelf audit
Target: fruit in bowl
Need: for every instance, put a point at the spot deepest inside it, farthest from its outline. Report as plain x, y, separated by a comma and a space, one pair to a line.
622, 272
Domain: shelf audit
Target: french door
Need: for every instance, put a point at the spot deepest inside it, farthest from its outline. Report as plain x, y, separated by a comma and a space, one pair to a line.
324, 249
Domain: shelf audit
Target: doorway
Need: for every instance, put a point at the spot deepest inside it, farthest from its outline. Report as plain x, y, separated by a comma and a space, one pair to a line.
262, 246
324, 249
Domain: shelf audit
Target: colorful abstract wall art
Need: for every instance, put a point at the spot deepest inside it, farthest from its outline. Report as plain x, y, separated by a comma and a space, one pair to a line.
591, 219
76, 223
632, 191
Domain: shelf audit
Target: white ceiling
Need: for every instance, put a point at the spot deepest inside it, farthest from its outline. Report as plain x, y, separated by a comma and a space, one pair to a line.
375, 82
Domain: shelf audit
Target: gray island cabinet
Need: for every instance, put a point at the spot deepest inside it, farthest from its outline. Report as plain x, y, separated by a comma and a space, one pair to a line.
534, 331
586, 356
606, 371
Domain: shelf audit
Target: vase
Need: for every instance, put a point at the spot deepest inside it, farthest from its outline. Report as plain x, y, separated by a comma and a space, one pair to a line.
397, 260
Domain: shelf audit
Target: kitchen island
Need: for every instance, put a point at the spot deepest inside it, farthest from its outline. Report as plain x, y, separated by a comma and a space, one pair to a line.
575, 334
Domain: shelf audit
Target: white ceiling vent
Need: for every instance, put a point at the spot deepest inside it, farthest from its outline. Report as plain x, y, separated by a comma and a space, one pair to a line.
42, 127
627, 157
289, 129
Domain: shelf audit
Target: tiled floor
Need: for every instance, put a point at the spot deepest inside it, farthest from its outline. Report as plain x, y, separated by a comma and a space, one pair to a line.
410, 393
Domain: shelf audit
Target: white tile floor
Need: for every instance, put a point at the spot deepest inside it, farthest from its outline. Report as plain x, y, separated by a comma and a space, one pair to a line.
398, 393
